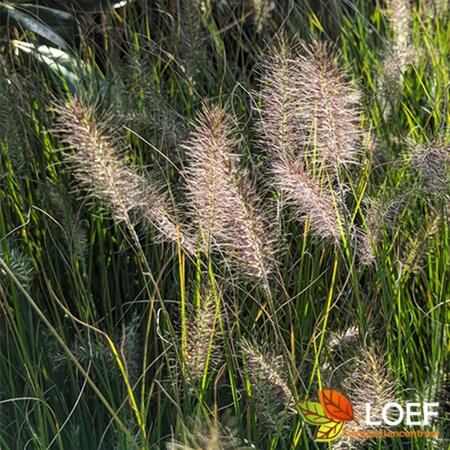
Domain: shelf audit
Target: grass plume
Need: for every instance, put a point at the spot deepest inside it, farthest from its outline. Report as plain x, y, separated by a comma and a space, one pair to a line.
98, 166
370, 382
197, 436
432, 161
278, 127
270, 389
202, 336
330, 109
225, 205
260, 12
308, 199
311, 128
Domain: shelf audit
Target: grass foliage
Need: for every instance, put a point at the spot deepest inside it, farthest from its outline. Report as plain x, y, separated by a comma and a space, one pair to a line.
212, 209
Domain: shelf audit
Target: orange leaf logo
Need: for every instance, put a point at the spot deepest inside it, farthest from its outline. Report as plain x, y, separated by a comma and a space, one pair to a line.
336, 406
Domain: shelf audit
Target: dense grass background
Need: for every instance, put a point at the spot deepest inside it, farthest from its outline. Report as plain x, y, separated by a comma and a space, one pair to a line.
98, 324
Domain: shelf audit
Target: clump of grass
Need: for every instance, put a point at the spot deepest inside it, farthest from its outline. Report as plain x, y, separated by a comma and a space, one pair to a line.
224, 203
173, 54
98, 166
269, 386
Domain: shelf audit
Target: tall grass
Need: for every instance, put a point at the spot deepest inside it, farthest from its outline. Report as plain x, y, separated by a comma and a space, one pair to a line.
233, 205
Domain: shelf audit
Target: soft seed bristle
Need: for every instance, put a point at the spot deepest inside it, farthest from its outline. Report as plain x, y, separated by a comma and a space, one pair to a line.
98, 167
225, 205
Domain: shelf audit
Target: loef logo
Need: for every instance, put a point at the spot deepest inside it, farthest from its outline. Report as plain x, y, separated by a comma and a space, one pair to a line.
333, 409
414, 414
329, 415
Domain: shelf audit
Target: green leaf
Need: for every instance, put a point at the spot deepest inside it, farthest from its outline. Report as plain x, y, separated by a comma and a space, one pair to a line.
313, 413
57, 27
329, 431
65, 68
88, 6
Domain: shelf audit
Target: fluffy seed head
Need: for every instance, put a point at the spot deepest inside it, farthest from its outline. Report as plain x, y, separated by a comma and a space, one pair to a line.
99, 168
390, 79
399, 55
197, 436
210, 161
432, 161
435, 8
400, 16
346, 338
367, 239
95, 161
370, 382
202, 337
380, 215
278, 127
225, 205
308, 199
20, 264
251, 244
329, 113
259, 11
365, 244
96, 350
75, 233
270, 388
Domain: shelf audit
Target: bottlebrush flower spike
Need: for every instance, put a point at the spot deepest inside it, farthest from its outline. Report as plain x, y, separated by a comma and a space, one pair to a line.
432, 161
205, 434
210, 163
224, 203
400, 15
278, 128
98, 167
329, 114
369, 382
269, 384
202, 336
259, 11
308, 199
